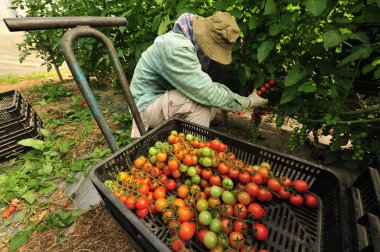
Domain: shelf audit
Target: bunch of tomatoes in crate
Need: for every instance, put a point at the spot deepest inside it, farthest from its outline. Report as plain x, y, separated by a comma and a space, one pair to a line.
202, 192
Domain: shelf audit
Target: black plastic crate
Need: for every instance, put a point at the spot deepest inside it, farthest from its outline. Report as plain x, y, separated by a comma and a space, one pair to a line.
18, 121
365, 193
290, 228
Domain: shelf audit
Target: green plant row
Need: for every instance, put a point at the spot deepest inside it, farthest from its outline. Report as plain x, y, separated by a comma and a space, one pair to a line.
318, 51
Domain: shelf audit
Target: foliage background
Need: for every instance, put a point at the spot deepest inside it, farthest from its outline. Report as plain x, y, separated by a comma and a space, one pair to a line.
323, 54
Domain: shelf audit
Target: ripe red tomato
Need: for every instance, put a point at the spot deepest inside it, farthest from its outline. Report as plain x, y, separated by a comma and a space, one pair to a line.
171, 184
233, 172
247, 249
300, 186
257, 210
160, 204
273, 184
261, 231
182, 191
236, 240
142, 203
162, 178
142, 213
240, 210
184, 213
226, 210
227, 225
311, 201
267, 85
201, 235
160, 192
296, 200
263, 172
257, 179
215, 180
262, 195
244, 177
283, 193
222, 147
240, 226
130, 202
272, 82
155, 171
286, 181
153, 185
223, 168
244, 198
215, 144
177, 245
206, 173
252, 189
187, 159
263, 89
162, 156
144, 189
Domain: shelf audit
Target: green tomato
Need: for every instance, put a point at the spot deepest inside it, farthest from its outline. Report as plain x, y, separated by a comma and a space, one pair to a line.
216, 225
206, 152
256, 167
191, 171
188, 182
153, 159
210, 240
227, 183
158, 144
189, 137
196, 179
202, 205
216, 191
228, 197
205, 218
206, 161
183, 168
153, 151
223, 240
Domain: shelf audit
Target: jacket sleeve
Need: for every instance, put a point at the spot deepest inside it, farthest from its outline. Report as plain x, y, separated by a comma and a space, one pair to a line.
183, 71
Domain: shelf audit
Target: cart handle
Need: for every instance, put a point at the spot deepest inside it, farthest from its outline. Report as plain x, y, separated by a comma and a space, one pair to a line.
67, 42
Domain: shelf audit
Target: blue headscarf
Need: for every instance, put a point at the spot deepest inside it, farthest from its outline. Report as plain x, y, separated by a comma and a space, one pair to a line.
184, 25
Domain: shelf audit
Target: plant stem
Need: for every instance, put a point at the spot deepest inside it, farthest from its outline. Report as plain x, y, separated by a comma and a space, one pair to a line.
342, 122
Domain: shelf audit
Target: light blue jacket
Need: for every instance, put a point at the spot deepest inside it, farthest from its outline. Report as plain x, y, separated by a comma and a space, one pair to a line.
172, 63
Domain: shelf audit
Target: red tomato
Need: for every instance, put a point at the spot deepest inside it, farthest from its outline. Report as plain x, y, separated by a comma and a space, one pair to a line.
215, 144
283, 193
262, 195
223, 168
142, 203
286, 181
177, 245
257, 210
257, 179
215, 180
244, 177
160, 192
244, 198
170, 185
142, 213
184, 213
173, 164
163, 178
252, 189
187, 231
271, 82
160, 204
227, 225
155, 172
236, 240
247, 249
240, 226
222, 147
261, 231
300, 186
206, 173
311, 201
226, 210
187, 159
153, 185
240, 210
201, 235
144, 189
273, 184
130, 203
182, 191
263, 172
296, 200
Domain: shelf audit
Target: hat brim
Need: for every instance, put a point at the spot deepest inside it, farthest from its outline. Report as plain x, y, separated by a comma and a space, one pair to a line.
221, 53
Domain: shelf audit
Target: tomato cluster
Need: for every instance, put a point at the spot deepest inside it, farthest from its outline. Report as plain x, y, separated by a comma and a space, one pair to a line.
266, 87
216, 198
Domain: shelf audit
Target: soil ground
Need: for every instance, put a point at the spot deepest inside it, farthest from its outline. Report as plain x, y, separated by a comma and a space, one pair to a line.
97, 230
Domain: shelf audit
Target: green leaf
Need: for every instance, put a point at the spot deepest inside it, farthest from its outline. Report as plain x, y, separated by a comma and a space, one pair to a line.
333, 38
376, 74
307, 87
253, 22
295, 74
358, 52
45, 132
20, 238
368, 68
29, 197
62, 219
375, 62
264, 50
156, 22
48, 190
288, 95
316, 7
163, 25
34, 143
279, 120
361, 36
46, 169
270, 7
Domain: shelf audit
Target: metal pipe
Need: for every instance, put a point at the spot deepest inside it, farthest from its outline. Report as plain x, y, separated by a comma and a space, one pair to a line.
67, 42
43, 23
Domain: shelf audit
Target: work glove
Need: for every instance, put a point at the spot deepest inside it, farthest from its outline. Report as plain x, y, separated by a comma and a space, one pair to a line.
256, 100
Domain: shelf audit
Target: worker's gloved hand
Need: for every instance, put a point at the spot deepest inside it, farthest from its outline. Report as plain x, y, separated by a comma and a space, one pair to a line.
256, 100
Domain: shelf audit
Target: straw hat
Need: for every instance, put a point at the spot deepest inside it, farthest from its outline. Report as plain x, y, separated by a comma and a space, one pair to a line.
216, 35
